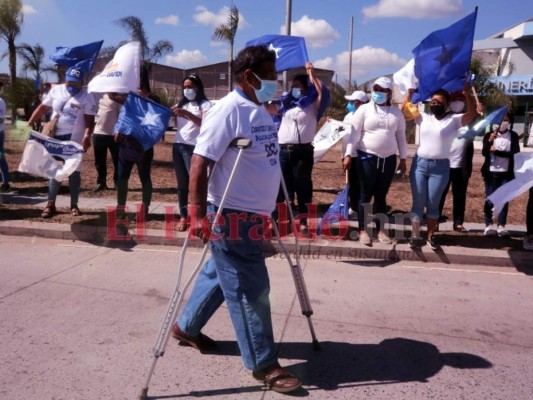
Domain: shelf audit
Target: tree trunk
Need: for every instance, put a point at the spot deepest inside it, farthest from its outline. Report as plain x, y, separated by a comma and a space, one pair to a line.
230, 68
13, 73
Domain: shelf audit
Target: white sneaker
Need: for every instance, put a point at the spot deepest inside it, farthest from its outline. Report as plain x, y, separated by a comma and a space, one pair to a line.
502, 232
364, 238
528, 242
490, 231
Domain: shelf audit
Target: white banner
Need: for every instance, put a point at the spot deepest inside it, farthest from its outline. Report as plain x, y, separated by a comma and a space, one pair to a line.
122, 74
330, 133
50, 158
523, 169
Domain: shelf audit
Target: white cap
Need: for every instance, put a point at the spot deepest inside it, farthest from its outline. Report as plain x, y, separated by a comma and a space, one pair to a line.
384, 82
357, 95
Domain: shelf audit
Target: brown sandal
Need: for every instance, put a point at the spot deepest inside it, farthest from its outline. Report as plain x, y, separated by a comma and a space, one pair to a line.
49, 210
74, 210
183, 225
278, 379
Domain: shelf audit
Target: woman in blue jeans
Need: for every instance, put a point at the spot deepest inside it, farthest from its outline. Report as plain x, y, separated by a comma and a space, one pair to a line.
189, 113
431, 165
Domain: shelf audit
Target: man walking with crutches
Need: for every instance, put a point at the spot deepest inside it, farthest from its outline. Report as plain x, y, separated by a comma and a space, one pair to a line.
236, 272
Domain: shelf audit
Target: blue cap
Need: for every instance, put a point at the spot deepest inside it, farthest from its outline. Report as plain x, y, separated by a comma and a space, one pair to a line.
74, 74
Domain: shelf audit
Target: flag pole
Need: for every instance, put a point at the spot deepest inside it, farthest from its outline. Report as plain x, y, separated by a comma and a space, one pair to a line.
288, 18
350, 52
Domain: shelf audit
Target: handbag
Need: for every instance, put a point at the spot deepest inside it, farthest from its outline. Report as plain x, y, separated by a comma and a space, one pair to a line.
49, 128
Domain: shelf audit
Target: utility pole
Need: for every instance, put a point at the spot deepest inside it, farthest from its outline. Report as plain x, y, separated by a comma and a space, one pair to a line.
288, 19
350, 52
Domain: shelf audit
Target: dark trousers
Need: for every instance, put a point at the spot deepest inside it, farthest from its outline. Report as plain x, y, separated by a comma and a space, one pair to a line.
375, 177
297, 167
493, 182
101, 144
354, 191
144, 166
459, 183
529, 213
181, 159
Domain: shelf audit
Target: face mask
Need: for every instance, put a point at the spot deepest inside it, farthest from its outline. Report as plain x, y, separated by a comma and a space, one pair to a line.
73, 90
351, 107
190, 94
437, 109
267, 91
457, 106
379, 97
296, 93
504, 126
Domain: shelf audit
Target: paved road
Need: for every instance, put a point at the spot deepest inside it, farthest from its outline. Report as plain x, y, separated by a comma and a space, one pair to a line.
78, 322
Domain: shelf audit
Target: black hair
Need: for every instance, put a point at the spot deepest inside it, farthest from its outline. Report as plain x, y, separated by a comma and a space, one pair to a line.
442, 92
302, 78
200, 93
251, 57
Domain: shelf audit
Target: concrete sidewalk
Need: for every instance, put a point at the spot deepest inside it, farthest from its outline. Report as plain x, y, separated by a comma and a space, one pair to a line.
456, 249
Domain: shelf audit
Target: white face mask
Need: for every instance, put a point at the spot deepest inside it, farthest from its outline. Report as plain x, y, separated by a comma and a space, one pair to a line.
457, 106
504, 126
190, 94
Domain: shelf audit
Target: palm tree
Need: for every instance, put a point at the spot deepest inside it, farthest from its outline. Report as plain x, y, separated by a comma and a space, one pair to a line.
149, 54
32, 60
491, 95
11, 19
226, 32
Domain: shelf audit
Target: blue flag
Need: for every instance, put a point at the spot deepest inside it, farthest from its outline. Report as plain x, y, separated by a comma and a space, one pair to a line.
69, 56
442, 59
290, 50
338, 211
480, 127
143, 119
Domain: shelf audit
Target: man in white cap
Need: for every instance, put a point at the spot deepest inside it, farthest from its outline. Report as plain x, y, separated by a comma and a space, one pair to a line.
357, 98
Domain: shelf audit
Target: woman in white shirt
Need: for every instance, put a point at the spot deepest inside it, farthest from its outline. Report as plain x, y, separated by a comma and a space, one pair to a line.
430, 169
379, 133
76, 110
189, 113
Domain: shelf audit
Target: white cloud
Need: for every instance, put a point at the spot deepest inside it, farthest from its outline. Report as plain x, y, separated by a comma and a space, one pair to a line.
325, 63
415, 9
168, 20
27, 9
367, 62
187, 59
205, 17
317, 32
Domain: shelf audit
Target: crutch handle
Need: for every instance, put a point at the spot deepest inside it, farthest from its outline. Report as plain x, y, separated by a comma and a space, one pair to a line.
241, 143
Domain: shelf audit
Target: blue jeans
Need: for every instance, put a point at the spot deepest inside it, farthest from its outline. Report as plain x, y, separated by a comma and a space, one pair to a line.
375, 177
3, 162
181, 158
74, 181
492, 183
236, 273
428, 180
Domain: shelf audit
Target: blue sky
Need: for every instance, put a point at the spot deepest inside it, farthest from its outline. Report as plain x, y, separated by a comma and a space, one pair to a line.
385, 31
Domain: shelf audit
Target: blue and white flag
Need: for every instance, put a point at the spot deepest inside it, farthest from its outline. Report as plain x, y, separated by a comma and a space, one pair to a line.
50, 158
442, 59
479, 129
143, 119
290, 50
337, 214
69, 56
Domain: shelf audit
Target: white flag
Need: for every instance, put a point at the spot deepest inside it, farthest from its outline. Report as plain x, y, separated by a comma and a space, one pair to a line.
405, 79
50, 158
523, 170
330, 133
122, 74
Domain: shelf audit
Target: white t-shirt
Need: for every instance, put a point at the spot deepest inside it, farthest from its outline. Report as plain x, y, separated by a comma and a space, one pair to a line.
108, 111
458, 149
2, 113
378, 130
72, 115
502, 143
257, 179
298, 125
436, 136
345, 140
186, 130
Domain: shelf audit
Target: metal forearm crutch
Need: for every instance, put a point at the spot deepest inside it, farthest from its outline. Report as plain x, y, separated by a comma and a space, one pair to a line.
296, 269
177, 295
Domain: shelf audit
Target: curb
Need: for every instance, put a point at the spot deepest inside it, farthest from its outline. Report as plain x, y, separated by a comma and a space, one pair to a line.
340, 250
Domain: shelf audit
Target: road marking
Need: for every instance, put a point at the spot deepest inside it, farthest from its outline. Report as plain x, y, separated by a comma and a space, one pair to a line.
463, 270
